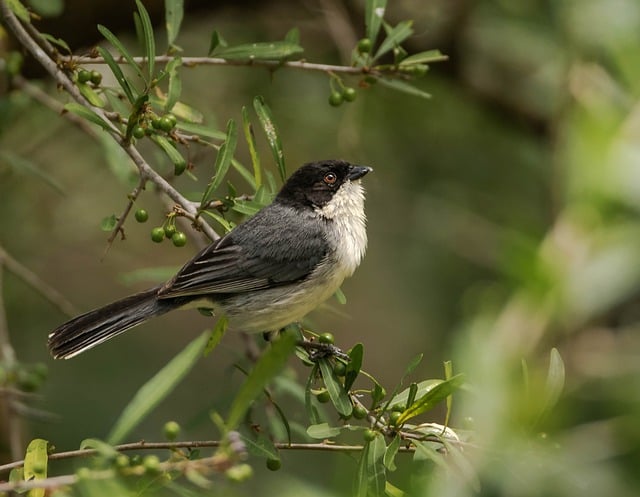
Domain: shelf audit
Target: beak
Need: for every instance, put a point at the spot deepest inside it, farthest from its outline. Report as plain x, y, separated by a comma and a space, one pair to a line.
358, 172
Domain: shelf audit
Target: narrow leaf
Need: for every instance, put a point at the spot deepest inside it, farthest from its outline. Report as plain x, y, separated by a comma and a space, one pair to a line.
391, 452
215, 42
149, 40
119, 75
312, 412
172, 152
157, 389
374, 13
59, 42
322, 431
448, 374
201, 129
337, 393
113, 39
260, 446
376, 478
173, 13
250, 138
269, 127
175, 83
293, 36
87, 114
223, 161
102, 448
216, 335
276, 50
404, 87
108, 223
35, 464
424, 58
434, 396
19, 10
395, 36
268, 365
353, 366
555, 380
90, 94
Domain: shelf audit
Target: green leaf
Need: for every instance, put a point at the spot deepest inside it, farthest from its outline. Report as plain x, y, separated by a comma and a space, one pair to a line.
293, 36
395, 36
426, 451
404, 87
555, 380
250, 138
434, 396
102, 448
374, 14
340, 296
322, 431
268, 365
149, 40
90, 94
119, 162
157, 389
391, 452
402, 399
172, 152
312, 411
35, 464
246, 207
173, 13
22, 165
370, 477
59, 42
269, 127
353, 366
119, 75
113, 39
215, 42
223, 161
19, 10
201, 129
448, 374
275, 50
175, 83
424, 58
216, 335
337, 393
108, 223
260, 446
226, 225
87, 114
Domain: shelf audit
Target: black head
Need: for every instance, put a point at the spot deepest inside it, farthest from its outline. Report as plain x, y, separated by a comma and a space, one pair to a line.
315, 183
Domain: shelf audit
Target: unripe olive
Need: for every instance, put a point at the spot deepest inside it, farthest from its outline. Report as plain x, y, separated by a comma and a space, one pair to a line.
335, 99
239, 472
364, 45
359, 412
138, 132
339, 369
394, 416
84, 76
157, 234
326, 338
166, 124
323, 396
171, 430
172, 119
368, 435
96, 77
274, 464
169, 230
349, 94
141, 215
179, 239
151, 463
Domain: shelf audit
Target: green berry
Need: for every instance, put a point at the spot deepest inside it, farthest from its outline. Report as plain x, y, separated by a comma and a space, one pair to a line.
155, 122
170, 230
173, 119
157, 234
394, 416
326, 338
369, 435
141, 216
179, 239
419, 70
166, 124
274, 464
171, 430
339, 369
84, 76
151, 463
138, 132
122, 461
28, 381
364, 45
349, 94
397, 408
96, 77
323, 396
83, 473
239, 472
359, 412
335, 99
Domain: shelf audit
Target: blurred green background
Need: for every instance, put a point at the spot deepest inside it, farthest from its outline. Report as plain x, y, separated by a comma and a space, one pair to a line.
503, 221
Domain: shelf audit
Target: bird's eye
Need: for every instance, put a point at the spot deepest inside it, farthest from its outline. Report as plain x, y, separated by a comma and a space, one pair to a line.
330, 178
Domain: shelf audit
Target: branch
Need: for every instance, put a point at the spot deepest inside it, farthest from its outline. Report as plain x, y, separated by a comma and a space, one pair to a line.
51, 66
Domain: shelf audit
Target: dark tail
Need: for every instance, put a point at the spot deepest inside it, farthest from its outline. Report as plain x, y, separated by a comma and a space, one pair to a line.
94, 327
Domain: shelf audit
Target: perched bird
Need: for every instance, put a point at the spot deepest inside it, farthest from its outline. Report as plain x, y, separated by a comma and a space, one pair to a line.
265, 274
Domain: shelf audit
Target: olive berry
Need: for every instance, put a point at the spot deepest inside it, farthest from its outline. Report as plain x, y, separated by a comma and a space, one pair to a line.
349, 94
171, 430
335, 99
179, 239
141, 215
138, 132
84, 76
157, 234
323, 396
274, 464
96, 77
326, 338
369, 435
359, 412
364, 45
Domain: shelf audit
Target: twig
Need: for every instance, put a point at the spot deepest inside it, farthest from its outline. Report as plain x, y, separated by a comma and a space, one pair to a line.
123, 217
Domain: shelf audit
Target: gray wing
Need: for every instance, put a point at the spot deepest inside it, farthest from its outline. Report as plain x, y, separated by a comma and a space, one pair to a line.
254, 256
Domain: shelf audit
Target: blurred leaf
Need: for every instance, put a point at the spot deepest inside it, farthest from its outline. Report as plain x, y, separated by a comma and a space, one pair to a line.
391, 452
448, 374
353, 366
90, 94
269, 127
175, 83
378, 392
119, 162
173, 13
433, 397
157, 389
337, 393
19, 10
555, 380
374, 13
215, 42
371, 478
395, 36
261, 446
340, 296
154, 275
270, 363
223, 161
275, 50
426, 451
172, 152
113, 39
149, 40
16, 475
87, 114
250, 138
293, 36
391, 490
246, 207
226, 225
58, 42
216, 335
108, 223
322, 431
119, 75
22, 165
102, 448
35, 464
404, 87
424, 58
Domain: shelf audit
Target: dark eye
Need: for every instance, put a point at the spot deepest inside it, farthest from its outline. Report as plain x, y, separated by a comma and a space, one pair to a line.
330, 178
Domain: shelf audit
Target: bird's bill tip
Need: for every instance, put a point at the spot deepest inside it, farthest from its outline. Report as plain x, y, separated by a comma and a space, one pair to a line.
358, 172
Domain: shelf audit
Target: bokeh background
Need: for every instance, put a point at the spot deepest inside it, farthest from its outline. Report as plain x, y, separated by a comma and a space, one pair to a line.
503, 221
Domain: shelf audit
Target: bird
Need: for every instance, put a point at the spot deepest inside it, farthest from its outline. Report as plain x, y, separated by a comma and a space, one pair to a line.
266, 273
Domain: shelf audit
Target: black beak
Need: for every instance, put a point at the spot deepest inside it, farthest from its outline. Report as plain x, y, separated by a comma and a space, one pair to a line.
357, 172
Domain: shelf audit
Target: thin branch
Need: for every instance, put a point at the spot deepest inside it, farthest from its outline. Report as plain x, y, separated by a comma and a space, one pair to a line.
118, 229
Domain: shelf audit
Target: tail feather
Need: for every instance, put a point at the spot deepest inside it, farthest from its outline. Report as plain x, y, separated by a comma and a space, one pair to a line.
97, 326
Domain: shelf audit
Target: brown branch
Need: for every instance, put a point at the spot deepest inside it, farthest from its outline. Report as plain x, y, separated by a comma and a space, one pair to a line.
123, 217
